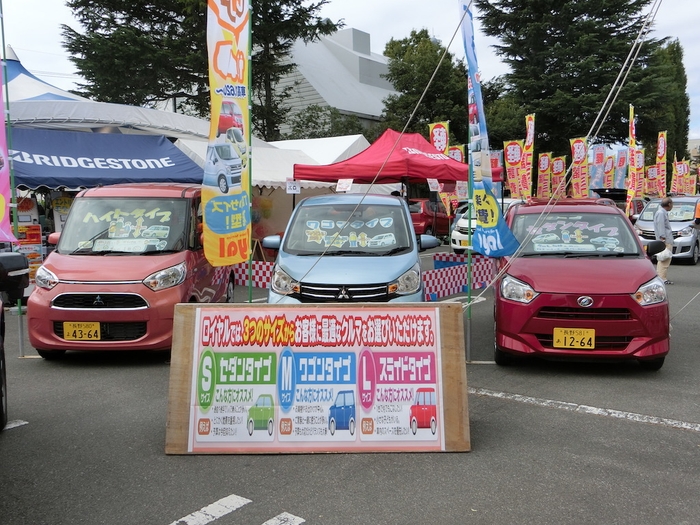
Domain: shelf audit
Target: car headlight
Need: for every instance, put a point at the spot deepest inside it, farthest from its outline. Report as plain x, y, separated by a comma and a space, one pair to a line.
45, 278
282, 283
686, 232
408, 283
637, 230
652, 292
166, 278
516, 290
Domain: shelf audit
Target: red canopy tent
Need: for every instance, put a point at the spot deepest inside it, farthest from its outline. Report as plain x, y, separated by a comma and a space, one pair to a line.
412, 159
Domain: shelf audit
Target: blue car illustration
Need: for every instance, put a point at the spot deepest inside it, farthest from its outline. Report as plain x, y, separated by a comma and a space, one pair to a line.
341, 415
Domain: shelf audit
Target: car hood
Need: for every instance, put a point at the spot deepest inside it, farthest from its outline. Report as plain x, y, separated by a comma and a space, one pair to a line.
577, 275
105, 268
346, 269
675, 225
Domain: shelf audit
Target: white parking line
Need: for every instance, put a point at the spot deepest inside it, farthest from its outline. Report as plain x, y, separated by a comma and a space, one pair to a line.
585, 409
285, 519
16, 423
214, 511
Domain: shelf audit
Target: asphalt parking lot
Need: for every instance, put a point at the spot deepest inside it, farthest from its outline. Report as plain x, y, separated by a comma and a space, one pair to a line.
551, 443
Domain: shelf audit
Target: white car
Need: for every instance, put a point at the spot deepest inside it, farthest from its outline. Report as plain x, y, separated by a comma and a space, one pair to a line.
460, 237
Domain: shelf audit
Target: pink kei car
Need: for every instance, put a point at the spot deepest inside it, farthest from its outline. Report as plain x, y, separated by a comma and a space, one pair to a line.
582, 287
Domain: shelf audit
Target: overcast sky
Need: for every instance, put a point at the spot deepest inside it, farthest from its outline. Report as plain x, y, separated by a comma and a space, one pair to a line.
32, 28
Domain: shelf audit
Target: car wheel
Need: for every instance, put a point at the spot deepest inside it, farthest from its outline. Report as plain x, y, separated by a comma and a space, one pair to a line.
230, 287
499, 356
652, 364
223, 185
3, 389
458, 252
351, 427
414, 426
51, 355
331, 426
270, 426
696, 254
428, 231
433, 425
251, 427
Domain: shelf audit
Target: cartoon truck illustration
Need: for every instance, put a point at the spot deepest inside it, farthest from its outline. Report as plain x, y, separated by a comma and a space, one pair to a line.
424, 410
262, 414
341, 415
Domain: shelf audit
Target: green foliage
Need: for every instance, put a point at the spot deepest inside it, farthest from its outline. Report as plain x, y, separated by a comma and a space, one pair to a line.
323, 121
412, 62
564, 57
140, 52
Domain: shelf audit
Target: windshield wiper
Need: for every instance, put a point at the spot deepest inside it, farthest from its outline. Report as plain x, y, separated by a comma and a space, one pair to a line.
394, 251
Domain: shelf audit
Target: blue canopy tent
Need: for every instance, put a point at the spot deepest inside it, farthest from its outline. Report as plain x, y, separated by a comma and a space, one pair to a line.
70, 159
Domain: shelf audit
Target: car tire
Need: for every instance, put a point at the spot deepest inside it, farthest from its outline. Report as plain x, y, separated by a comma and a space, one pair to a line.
223, 185
695, 256
652, 365
433, 425
499, 356
51, 355
331, 426
251, 427
270, 427
3, 388
351, 426
428, 231
414, 426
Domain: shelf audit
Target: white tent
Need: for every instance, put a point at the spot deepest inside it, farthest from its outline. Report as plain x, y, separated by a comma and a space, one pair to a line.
326, 150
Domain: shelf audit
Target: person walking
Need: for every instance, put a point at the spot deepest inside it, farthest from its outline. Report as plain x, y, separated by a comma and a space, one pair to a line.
663, 232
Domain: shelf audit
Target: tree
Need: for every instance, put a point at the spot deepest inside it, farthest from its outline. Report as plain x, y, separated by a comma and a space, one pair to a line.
412, 62
141, 52
564, 57
315, 122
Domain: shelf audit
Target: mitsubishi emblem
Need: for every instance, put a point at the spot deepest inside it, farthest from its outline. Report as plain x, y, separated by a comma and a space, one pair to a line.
98, 301
343, 294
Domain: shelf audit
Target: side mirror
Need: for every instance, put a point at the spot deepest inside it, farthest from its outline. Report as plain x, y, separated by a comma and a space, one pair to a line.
53, 238
426, 242
655, 247
273, 242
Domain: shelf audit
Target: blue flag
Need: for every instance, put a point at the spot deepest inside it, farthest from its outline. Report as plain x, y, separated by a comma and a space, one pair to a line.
492, 237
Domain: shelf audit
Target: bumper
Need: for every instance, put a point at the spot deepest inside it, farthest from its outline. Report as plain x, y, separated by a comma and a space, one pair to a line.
460, 241
682, 246
623, 329
141, 328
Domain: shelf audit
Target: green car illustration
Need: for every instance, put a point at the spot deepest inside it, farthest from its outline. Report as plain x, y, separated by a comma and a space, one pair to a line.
262, 414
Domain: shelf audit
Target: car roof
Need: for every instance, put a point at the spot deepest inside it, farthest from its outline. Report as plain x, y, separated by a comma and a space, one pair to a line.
143, 189
351, 198
601, 205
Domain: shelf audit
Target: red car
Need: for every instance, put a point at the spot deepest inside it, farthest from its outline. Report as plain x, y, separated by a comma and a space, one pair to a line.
230, 117
429, 217
582, 287
424, 410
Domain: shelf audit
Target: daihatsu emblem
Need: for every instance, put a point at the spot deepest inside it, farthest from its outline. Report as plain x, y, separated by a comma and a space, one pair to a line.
584, 301
343, 294
98, 301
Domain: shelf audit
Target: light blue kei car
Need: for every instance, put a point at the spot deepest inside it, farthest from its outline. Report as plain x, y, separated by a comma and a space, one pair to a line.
348, 248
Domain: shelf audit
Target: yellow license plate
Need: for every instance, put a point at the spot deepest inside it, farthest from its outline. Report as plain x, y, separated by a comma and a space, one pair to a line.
579, 338
463, 242
81, 331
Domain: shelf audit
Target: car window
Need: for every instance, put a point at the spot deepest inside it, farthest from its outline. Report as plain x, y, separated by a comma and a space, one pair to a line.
343, 229
648, 212
414, 206
570, 232
681, 212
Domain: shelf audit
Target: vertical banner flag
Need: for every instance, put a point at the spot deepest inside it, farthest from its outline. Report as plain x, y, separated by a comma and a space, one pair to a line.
558, 176
528, 152
440, 136
513, 157
492, 237
478, 138
631, 184
579, 168
225, 186
675, 175
609, 172
544, 175
6, 234
497, 171
661, 158
621, 169
456, 152
639, 169
650, 181
598, 166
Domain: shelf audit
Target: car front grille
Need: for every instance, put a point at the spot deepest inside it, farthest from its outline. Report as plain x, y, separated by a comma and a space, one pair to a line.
583, 314
112, 331
116, 301
650, 236
465, 230
321, 293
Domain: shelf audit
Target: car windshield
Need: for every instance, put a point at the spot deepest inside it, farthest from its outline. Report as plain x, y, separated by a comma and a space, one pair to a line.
96, 226
681, 212
225, 152
344, 230
574, 234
